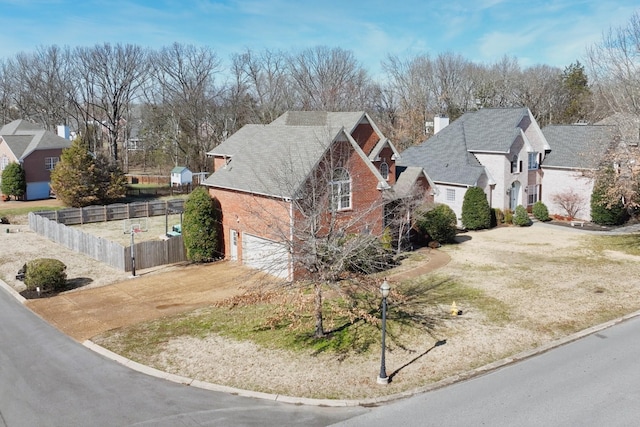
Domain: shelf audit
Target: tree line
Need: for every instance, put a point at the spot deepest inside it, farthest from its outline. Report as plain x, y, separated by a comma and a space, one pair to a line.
179, 101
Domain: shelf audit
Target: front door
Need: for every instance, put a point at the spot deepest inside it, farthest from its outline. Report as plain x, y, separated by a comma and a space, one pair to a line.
515, 195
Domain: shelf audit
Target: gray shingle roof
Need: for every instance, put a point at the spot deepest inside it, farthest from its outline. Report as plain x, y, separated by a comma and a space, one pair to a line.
24, 137
276, 159
270, 160
577, 146
492, 129
334, 120
448, 156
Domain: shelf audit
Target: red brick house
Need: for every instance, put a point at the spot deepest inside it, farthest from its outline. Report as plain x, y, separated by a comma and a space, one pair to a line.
267, 178
37, 150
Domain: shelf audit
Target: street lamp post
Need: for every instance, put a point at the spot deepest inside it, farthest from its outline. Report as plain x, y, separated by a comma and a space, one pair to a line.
384, 290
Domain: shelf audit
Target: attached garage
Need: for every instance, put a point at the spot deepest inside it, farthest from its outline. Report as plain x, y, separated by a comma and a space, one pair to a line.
265, 255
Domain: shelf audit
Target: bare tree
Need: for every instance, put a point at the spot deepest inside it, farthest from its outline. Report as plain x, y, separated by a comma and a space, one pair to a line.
184, 83
324, 237
110, 79
539, 89
570, 201
263, 78
615, 71
43, 79
328, 79
614, 67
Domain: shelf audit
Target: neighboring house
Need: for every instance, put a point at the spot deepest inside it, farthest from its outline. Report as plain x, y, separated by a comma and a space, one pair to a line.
264, 173
497, 149
37, 150
181, 175
576, 153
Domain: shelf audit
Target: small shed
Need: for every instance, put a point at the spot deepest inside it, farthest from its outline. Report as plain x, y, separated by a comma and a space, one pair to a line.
181, 175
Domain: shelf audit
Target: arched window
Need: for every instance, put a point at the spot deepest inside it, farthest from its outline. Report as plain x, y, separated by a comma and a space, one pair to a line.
340, 190
384, 170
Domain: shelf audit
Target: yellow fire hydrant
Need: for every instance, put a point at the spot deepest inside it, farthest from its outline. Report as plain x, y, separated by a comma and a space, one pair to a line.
454, 309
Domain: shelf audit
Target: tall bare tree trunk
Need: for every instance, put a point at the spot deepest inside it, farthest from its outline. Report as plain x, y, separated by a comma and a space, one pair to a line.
318, 306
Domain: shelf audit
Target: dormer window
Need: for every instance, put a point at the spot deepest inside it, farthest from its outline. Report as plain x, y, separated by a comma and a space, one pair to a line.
384, 170
516, 166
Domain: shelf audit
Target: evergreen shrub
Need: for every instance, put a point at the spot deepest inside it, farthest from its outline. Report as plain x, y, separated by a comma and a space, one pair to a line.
521, 217
46, 273
540, 211
476, 212
439, 223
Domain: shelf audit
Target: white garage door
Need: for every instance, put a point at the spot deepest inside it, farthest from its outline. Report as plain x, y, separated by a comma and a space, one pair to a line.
266, 255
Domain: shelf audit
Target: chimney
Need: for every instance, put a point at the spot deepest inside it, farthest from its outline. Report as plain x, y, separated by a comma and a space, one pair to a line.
439, 123
63, 131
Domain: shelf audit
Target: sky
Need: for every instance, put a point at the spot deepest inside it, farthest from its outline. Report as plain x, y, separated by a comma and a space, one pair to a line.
535, 32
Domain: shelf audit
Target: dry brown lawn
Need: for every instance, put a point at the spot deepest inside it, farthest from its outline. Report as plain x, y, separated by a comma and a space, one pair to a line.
551, 280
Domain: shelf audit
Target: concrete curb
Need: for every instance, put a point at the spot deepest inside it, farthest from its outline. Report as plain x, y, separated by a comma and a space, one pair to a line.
13, 292
498, 364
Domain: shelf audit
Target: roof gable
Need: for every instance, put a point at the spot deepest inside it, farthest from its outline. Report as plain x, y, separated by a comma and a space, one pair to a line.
24, 137
276, 159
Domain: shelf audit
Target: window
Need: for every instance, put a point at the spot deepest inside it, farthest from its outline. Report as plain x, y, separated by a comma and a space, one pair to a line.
451, 195
4, 162
514, 164
532, 192
533, 161
384, 170
340, 190
51, 162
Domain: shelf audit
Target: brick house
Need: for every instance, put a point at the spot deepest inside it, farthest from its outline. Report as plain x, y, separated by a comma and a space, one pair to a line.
497, 149
37, 150
268, 178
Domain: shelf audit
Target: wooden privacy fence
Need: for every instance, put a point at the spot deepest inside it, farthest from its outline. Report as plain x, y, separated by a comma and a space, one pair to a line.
114, 212
147, 254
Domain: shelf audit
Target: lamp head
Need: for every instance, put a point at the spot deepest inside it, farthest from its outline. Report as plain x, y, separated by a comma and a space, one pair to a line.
385, 288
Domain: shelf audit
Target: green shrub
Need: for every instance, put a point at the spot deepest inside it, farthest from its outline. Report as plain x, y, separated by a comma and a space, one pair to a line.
439, 223
13, 181
540, 211
508, 216
46, 273
476, 212
387, 239
521, 217
201, 226
604, 210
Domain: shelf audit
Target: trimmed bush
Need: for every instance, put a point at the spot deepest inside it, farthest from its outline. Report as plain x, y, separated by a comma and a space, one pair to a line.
46, 273
13, 182
540, 211
521, 217
201, 226
476, 212
439, 223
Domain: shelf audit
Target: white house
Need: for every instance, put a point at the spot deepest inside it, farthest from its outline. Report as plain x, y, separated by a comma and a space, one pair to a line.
497, 149
576, 152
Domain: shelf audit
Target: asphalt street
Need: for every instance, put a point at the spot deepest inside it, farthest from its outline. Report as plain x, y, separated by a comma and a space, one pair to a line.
589, 382
47, 379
